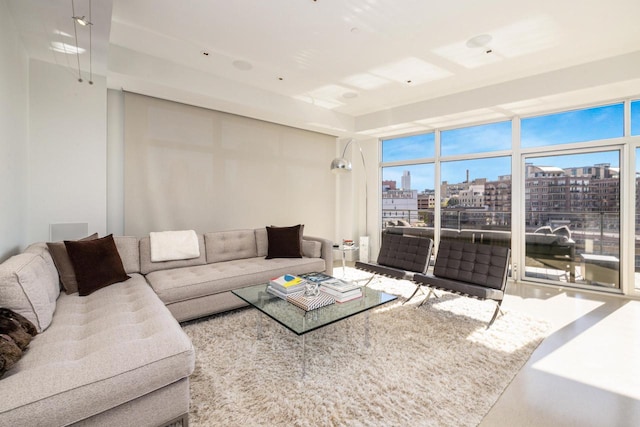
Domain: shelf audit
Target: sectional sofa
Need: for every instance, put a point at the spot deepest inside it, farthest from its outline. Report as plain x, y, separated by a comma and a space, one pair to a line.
118, 356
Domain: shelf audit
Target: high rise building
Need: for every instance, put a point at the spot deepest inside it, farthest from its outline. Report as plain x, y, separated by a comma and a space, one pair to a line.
406, 180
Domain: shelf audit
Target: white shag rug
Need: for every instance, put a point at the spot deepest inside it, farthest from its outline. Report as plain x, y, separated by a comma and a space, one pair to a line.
437, 365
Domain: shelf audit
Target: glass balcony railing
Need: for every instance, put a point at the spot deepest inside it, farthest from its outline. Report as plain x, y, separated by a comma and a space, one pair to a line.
559, 246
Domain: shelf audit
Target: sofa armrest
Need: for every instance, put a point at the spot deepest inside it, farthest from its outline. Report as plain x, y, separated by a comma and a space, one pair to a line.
326, 252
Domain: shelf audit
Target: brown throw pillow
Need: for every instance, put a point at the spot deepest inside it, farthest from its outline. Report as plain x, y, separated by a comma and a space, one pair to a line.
285, 242
61, 259
97, 264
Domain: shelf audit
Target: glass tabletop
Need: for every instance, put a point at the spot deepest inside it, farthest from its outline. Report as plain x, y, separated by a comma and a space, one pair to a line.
300, 321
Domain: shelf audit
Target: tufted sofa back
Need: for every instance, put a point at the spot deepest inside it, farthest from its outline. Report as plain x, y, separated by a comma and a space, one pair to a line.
147, 266
473, 263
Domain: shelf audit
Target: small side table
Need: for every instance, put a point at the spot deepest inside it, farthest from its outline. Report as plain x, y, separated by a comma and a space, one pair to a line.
344, 249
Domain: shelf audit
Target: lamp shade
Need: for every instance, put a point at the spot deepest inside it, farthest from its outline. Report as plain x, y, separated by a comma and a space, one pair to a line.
340, 165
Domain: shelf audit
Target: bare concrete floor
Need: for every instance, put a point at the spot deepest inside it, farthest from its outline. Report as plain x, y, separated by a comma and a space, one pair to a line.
586, 373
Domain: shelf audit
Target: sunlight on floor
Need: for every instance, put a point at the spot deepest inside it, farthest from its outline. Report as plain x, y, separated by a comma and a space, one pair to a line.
555, 306
599, 357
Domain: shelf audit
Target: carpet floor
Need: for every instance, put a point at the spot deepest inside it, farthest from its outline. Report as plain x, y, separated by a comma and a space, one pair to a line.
436, 365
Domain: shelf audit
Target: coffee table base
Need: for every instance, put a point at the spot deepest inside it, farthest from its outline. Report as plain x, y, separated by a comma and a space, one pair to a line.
259, 336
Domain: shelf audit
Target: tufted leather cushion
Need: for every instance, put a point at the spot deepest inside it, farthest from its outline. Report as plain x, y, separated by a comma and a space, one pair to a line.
405, 252
483, 265
400, 257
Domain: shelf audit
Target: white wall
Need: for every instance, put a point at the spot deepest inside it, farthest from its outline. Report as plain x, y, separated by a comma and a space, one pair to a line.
67, 150
14, 68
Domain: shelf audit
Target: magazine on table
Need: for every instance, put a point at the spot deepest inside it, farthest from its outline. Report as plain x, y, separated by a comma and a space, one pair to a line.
288, 283
341, 295
340, 285
316, 277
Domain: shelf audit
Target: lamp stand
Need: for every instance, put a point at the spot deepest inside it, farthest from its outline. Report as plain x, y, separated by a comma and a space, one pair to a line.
340, 165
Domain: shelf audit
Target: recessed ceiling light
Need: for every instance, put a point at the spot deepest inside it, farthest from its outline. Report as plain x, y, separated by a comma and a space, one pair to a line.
479, 41
242, 65
350, 95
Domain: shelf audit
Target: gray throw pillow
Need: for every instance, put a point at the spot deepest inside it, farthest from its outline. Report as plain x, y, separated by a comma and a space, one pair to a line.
63, 264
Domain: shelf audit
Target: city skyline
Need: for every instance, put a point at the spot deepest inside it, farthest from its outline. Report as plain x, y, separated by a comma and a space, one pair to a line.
548, 130
424, 175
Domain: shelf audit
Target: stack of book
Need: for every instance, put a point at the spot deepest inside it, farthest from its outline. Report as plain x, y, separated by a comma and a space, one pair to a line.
341, 290
310, 303
286, 285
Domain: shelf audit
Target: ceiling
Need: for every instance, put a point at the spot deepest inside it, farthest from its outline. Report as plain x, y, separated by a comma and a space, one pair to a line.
359, 67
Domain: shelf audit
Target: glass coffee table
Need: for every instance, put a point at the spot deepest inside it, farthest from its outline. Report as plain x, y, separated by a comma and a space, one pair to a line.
302, 322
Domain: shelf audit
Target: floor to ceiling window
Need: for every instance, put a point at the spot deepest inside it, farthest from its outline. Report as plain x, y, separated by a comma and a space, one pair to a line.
636, 240
572, 218
635, 130
475, 198
475, 193
408, 195
572, 201
458, 184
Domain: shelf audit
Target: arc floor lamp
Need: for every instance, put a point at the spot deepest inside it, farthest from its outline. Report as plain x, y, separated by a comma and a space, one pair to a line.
341, 165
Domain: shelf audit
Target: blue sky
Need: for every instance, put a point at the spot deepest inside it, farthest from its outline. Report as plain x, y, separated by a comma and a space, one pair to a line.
560, 128
573, 126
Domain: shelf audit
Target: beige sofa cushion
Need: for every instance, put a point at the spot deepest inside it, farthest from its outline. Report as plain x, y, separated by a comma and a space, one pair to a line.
228, 245
42, 250
147, 266
30, 288
181, 284
262, 241
129, 250
101, 351
311, 248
